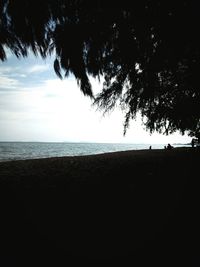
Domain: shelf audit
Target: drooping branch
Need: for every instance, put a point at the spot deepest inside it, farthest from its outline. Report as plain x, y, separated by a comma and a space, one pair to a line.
148, 53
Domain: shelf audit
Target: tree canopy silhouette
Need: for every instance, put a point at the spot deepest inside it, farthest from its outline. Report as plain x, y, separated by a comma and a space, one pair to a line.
148, 53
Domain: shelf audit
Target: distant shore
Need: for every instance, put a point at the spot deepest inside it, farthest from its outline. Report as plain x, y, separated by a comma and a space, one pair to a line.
135, 206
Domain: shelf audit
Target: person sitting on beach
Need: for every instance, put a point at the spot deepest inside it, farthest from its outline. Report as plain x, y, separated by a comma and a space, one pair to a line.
193, 142
169, 147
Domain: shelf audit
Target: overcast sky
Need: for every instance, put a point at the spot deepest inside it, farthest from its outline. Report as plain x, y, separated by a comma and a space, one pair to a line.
35, 105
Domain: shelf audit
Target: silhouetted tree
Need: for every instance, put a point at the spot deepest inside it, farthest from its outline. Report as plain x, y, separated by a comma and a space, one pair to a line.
148, 52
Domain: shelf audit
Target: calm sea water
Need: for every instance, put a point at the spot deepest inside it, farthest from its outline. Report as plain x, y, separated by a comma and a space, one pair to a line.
32, 150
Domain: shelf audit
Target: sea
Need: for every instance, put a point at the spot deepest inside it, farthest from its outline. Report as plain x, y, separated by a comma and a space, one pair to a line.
33, 150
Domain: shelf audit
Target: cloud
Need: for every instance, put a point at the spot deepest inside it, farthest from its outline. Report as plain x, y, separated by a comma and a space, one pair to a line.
19, 77
4, 69
22, 75
10, 77
8, 83
38, 68
10, 70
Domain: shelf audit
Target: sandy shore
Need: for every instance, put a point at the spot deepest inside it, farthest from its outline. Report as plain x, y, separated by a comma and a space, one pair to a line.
135, 206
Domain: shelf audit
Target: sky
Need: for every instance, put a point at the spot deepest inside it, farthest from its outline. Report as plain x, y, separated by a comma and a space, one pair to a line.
35, 105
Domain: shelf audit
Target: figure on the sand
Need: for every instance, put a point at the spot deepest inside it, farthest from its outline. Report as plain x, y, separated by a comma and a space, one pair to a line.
193, 142
169, 147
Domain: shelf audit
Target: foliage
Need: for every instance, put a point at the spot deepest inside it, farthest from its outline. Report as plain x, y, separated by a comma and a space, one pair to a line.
148, 53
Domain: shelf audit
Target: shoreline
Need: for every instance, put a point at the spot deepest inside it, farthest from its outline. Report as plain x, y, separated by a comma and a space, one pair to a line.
98, 153
104, 208
22, 151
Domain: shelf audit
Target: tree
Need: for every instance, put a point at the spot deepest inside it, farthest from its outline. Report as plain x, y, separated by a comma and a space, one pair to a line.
148, 53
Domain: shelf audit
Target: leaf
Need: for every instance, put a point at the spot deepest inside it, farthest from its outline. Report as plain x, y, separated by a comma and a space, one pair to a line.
57, 68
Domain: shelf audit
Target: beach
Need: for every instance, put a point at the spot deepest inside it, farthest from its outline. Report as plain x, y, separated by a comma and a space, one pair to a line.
125, 207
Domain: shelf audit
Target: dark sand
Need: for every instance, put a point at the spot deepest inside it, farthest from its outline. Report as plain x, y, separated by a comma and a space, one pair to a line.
135, 207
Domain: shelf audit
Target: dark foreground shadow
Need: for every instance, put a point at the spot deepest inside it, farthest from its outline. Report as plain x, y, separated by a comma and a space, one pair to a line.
137, 209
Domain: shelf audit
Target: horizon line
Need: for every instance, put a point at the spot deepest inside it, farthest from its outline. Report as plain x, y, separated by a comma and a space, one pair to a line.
87, 142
